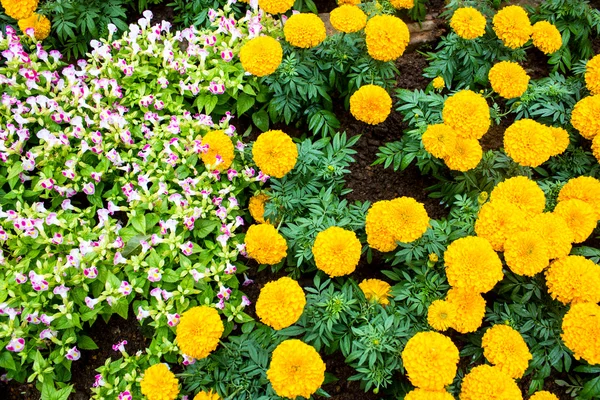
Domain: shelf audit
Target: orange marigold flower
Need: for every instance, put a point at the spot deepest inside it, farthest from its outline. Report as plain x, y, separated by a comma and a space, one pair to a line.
512, 26
465, 155
439, 140
508, 79
376, 290
579, 216
555, 232
468, 23
371, 104
386, 37
336, 251
529, 143
470, 309
498, 220
581, 331
522, 192
490, 383
584, 188
505, 348
526, 253
585, 116
467, 113
280, 303
546, 37
574, 279
592, 75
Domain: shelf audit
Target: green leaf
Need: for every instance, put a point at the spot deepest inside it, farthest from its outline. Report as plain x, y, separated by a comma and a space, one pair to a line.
6, 361
244, 103
591, 389
86, 343
204, 227
133, 245
139, 222
261, 120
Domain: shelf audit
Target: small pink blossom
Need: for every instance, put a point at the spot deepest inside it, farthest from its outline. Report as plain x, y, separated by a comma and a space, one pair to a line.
16, 345
154, 275
73, 354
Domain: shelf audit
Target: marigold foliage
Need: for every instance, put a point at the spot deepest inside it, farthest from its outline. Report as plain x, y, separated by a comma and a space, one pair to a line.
472, 264
592, 75
574, 279
430, 360
555, 232
581, 331
219, 144
584, 188
585, 116
275, 153
561, 140
512, 26
386, 37
546, 37
523, 193
529, 143
19, 9
336, 251
376, 290
371, 104
508, 79
467, 113
468, 23
304, 30
421, 394
579, 216
261, 56
439, 139
543, 395
526, 253
438, 82
265, 244
296, 369
40, 24
280, 303
210, 395
199, 331
158, 383
275, 6
498, 220
441, 315
400, 4
348, 18
465, 155
377, 226
256, 206
490, 383
409, 219
505, 348
470, 309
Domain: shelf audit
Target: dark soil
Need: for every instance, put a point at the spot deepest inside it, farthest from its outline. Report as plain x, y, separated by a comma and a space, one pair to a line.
536, 64
494, 138
343, 389
411, 66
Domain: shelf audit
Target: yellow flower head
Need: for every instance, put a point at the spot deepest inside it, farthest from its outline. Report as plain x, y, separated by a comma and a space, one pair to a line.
275, 6
348, 2
579, 216
439, 83
468, 23
377, 226
467, 113
584, 188
470, 309
304, 30
399, 4
498, 220
386, 37
596, 147
280, 303
490, 383
265, 244
19, 9
592, 75
523, 193
546, 37
409, 219
199, 331
158, 383
526, 253
275, 153
508, 79
528, 142
336, 251
543, 395
561, 140
296, 369
581, 331
422, 394
441, 315
39, 23
512, 26
220, 150
439, 140
574, 279
585, 116
207, 396
261, 56
472, 263
371, 104
555, 232
376, 290
465, 155
505, 348
348, 18
256, 207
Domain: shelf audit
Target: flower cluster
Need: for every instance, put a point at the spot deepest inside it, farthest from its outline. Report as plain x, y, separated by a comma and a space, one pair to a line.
386, 37
261, 56
348, 19
581, 331
280, 303
468, 23
371, 104
487, 382
574, 279
199, 331
531, 144
336, 251
508, 79
512, 26
265, 244
505, 348
304, 30
158, 383
275, 153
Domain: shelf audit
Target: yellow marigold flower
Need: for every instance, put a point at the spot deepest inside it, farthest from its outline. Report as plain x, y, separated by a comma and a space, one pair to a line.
348, 18
505, 348
439, 140
275, 153
386, 37
336, 251
543, 395
399, 4
581, 331
39, 23
523, 193
377, 226
467, 113
579, 216
526, 253
439, 83
584, 188
574, 279
220, 150
528, 142
304, 30
585, 116
512, 26
470, 309
441, 315
19, 9
546, 37
210, 395
256, 207
296, 369
371, 104
465, 155
508, 79
275, 6
422, 394
280, 303
490, 383
430, 360
199, 331
555, 232
592, 75
376, 290
472, 263
265, 244
409, 219
468, 23
498, 220
349, 2
561, 140
261, 56
158, 383
596, 147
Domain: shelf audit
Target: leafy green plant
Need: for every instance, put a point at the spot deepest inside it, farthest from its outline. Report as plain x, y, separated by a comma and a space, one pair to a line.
195, 12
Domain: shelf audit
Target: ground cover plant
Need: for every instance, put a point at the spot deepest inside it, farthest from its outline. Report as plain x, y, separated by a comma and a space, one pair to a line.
197, 208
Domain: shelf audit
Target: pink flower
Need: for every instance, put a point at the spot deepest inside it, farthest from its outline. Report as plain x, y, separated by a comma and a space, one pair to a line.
57, 239
16, 345
224, 293
187, 360
216, 88
91, 272
47, 183
247, 281
89, 188
119, 259
126, 395
120, 346
227, 55
142, 314
246, 301
230, 269
73, 354
48, 334
210, 40
187, 248
154, 275
20, 278
125, 289
91, 303
100, 381
172, 319
61, 291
